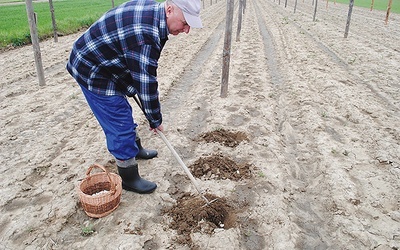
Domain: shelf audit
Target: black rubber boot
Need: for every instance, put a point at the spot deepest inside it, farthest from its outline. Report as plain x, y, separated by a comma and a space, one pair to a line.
131, 180
145, 153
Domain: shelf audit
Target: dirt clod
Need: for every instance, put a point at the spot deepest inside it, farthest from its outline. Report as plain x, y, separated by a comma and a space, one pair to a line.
227, 138
191, 214
220, 167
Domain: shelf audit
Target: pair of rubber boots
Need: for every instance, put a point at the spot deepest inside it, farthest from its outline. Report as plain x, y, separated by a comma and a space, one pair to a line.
131, 180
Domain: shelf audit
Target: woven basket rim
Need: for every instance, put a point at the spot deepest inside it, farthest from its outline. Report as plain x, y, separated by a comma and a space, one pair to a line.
110, 200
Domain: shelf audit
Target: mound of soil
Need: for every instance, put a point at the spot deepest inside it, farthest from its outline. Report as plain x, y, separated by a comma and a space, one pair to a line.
220, 167
192, 214
227, 138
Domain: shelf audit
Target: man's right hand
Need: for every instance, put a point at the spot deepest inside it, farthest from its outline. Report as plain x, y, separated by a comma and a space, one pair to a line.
160, 128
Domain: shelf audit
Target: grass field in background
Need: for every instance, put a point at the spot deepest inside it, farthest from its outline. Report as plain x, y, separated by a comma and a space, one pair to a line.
378, 4
70, 15
73, 15
10, 1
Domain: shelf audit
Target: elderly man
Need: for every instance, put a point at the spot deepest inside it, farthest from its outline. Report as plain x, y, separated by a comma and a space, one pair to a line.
116, 58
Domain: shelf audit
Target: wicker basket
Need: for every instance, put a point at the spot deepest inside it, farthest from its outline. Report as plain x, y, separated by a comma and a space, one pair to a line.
100, 193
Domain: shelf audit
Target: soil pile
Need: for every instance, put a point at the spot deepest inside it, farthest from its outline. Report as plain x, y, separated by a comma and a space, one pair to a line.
220, 167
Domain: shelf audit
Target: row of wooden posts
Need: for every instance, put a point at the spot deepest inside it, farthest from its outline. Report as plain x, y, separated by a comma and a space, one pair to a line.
351, 3
227, 40
226, 50
242, 5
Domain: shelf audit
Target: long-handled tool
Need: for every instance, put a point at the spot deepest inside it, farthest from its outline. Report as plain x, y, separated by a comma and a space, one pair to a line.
196, 185
192, 179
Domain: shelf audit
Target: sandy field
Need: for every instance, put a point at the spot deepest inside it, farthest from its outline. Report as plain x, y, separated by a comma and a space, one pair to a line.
321, 114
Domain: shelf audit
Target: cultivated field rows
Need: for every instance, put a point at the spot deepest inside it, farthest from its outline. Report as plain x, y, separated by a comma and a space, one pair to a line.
321, 113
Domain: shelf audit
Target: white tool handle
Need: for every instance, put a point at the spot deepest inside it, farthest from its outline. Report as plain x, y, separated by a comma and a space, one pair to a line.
180, 161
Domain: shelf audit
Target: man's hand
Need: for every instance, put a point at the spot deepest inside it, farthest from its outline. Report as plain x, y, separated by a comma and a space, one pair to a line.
161, 128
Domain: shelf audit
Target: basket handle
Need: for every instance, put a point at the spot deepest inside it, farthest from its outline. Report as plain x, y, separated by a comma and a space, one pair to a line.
113, 190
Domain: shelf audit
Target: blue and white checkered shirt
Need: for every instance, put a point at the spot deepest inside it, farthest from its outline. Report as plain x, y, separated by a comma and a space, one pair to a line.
118, 54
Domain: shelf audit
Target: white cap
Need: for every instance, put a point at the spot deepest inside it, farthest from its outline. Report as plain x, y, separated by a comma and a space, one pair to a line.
191, 11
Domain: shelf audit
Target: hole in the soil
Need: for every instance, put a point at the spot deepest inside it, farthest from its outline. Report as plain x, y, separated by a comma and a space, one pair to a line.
220, 167
227, 138
191, 214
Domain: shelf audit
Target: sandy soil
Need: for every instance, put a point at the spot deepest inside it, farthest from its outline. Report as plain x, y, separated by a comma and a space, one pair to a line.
321, 113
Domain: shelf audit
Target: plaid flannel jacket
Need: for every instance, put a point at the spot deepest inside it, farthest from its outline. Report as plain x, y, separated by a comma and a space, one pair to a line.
118, 54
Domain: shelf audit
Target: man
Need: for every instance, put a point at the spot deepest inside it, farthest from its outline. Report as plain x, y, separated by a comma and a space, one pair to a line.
116, 58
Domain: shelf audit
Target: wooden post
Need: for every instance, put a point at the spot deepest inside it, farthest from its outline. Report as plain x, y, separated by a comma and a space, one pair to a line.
315, 10
239, 26
346, 32
388, 11
244, 6
285, 3
295, 6
112, 3
372, 5
53, 21
35, 42
226, 54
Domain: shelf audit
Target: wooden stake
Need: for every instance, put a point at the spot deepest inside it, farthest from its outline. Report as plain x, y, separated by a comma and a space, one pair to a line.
346, 32
239, 26
53, 21
35, 42
226, 54
388, 11
315, 10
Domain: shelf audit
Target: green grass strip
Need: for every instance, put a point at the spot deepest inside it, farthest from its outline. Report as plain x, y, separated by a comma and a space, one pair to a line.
378, 4
71, 16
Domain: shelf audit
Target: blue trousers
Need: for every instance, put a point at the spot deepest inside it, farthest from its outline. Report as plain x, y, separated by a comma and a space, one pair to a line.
114, 114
